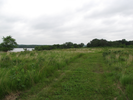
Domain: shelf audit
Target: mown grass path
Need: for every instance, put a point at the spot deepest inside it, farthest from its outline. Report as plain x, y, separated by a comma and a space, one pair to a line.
83, 79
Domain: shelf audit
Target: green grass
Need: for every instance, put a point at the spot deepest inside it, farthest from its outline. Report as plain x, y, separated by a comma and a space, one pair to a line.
21, 71
70, 74
120, 64
83, 79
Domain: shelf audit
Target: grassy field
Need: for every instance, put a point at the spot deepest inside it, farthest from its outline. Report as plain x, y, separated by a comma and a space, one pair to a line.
70, 74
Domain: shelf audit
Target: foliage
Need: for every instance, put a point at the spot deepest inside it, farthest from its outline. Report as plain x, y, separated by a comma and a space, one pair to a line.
104, 43
22, 70
119, 64
83, 79
62, 46
8, 44
25, 49
98, 73
28, 46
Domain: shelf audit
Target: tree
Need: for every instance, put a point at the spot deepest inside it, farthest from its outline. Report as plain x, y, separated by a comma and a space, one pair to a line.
8, 44
95, 43
69, 45
88, 45
81, 45
103, 43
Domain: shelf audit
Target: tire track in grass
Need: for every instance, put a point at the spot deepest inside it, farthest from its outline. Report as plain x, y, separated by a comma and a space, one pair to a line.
45, 85
83, 79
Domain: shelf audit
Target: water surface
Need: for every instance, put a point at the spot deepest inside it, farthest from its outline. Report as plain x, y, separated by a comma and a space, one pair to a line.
20, 49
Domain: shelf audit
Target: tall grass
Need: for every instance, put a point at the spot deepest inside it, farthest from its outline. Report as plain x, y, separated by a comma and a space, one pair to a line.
22, 70
120, 64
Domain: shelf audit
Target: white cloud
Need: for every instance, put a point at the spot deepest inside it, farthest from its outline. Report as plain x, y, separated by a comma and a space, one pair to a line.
59, 21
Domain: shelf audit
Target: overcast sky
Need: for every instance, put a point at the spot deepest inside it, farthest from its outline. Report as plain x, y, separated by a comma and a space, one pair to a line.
60, 21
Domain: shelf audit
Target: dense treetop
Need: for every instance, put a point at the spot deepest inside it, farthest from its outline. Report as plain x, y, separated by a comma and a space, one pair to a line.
58, 46
8, 44
105, 43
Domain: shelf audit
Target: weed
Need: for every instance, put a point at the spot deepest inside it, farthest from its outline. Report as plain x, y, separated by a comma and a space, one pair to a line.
126, 79
24, 69
129, 91
119, 63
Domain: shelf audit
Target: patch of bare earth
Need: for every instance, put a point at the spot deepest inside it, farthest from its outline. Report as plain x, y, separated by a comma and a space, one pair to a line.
12, 96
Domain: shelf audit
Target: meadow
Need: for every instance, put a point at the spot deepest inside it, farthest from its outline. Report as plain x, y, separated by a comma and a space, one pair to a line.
67, 74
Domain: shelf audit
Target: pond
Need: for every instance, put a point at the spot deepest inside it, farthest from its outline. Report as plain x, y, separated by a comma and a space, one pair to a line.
20, 49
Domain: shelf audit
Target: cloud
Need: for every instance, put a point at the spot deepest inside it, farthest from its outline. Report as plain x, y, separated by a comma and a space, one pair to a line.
77, 22
7, 23
112, 8
46, 23
1, 3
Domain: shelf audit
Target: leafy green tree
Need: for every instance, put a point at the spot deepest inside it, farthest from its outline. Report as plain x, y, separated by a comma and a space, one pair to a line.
69, 45
95, 43
75, 45
88, 44
8, 44
103, 43
81, 45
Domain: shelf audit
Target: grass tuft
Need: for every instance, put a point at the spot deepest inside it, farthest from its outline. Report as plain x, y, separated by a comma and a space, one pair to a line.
22, 70
126, 80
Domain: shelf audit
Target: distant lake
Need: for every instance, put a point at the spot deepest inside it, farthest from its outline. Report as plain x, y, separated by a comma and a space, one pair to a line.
20, 49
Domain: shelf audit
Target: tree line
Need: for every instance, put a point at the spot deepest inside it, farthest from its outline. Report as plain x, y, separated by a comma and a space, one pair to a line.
104, 43
28, 46
59, 46
10, 43
93, 43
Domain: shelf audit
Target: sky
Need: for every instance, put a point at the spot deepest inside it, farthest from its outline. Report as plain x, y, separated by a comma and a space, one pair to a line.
51, 22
